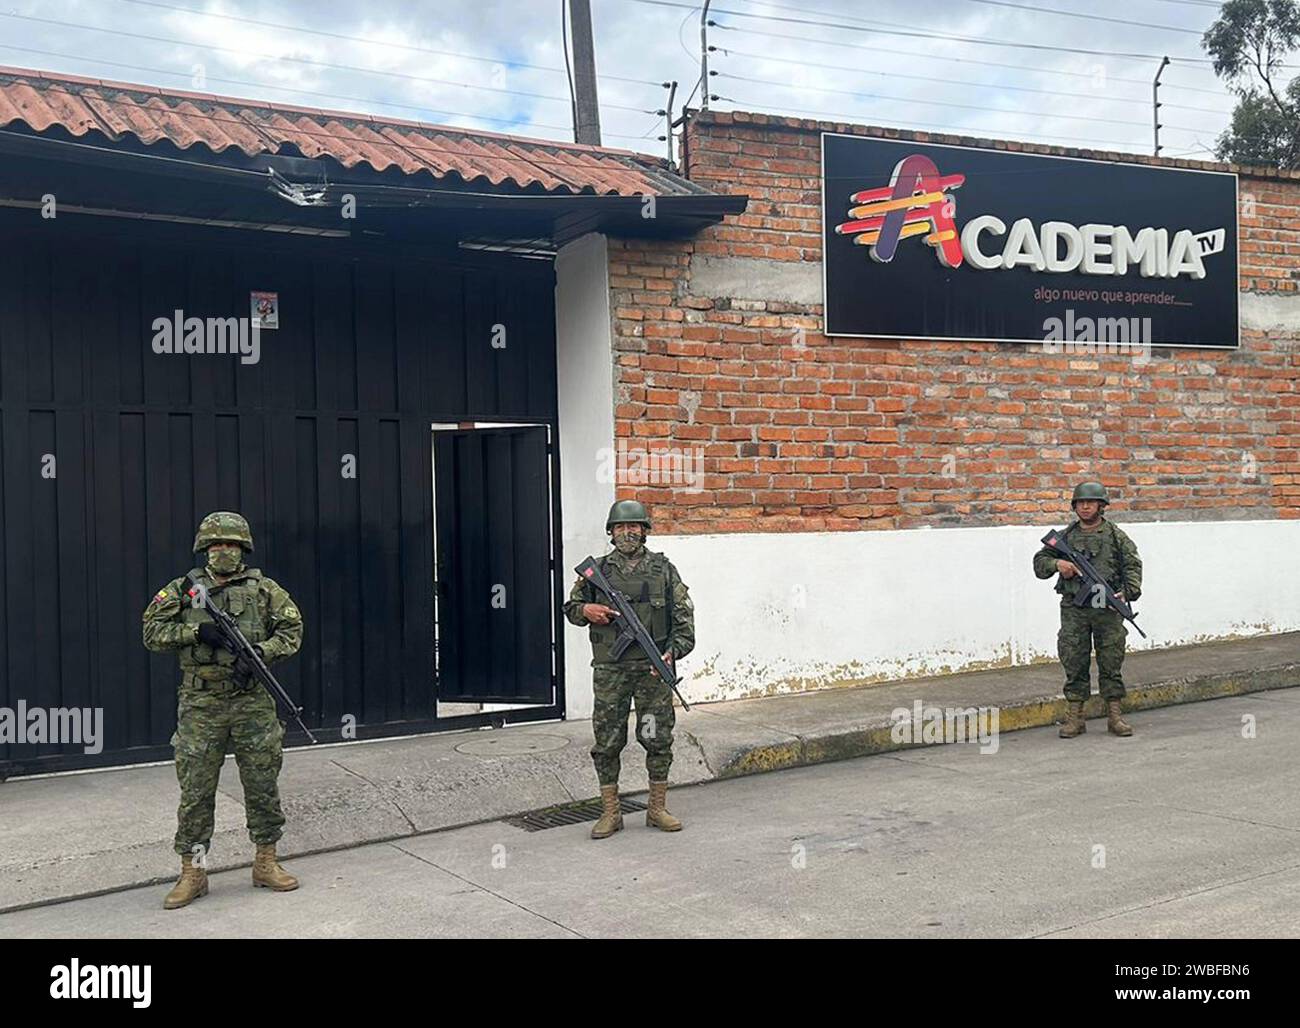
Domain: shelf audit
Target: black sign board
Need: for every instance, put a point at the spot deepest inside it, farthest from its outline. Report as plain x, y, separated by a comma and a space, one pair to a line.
929, 241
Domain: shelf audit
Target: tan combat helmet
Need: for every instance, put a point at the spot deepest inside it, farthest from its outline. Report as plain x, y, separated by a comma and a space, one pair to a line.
223, 526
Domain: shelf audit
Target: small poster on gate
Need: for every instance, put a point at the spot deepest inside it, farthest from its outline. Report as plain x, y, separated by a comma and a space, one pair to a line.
266, 310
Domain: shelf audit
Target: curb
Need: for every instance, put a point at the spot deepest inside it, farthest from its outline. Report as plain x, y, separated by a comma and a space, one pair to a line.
1038, 712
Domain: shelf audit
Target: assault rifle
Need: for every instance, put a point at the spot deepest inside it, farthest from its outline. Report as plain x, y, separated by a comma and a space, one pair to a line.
1093, 583
632, 630
247, 659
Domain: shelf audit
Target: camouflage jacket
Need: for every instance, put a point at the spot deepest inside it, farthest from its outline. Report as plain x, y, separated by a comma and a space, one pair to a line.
1112, 553
658, 595
263, 610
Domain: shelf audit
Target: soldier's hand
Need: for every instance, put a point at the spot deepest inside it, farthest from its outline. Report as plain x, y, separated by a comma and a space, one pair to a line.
210, 635
668, 659
243, 666
1066, 569
598, 613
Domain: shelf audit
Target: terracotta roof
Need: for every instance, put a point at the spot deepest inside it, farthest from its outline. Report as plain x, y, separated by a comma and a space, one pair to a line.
116, 110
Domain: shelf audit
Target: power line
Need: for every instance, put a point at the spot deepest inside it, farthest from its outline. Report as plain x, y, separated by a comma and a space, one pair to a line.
309, 61
375, 42
858, 69
1089, 17
568, 69
963, 129
424, 111
803, 63
946, 103
916, 33
935, 57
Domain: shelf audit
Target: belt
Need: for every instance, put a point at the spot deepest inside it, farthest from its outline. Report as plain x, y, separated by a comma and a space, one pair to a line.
227, 683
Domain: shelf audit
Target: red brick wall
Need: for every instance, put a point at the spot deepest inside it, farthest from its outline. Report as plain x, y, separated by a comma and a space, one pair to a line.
845, 434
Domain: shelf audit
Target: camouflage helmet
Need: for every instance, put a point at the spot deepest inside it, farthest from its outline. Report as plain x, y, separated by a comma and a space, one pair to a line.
223, 526
1089, 491
627, 512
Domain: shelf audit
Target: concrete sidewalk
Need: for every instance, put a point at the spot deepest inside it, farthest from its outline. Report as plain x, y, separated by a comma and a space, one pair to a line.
83, 834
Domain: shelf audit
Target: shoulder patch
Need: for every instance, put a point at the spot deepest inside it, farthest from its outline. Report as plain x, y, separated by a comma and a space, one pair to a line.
162, 595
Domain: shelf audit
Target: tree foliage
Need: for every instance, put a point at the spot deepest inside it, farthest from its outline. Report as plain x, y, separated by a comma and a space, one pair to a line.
1249, 44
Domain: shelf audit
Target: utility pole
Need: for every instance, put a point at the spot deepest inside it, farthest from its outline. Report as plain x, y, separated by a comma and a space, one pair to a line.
586, 108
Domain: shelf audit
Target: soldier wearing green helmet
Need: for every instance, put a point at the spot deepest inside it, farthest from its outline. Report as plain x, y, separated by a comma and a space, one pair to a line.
1115, 557
219, 705
664, 606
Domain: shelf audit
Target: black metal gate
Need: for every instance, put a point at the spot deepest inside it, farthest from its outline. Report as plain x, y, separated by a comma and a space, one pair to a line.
494, 565
374, 347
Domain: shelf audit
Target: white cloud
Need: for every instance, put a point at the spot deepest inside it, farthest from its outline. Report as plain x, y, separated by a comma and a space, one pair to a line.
379, 59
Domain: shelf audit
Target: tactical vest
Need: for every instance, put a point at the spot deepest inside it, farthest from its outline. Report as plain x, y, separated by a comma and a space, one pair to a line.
242, 600
1102, 549
646, 588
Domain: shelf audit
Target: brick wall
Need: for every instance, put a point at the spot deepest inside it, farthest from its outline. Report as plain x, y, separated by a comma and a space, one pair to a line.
822, 434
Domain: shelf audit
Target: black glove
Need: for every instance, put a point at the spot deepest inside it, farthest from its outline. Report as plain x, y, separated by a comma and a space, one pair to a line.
210, 635
243, 666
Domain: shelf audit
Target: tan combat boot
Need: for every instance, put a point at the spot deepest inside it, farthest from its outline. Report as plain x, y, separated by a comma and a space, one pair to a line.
192, 884
1075, 724
611, 818
656, 814
1115, 723
267, 874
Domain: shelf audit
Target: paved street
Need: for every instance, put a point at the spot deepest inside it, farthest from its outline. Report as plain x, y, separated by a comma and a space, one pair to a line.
1200, 829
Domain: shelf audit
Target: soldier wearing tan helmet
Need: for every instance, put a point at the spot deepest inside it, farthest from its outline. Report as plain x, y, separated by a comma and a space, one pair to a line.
220, 706
1084, 628
664, 606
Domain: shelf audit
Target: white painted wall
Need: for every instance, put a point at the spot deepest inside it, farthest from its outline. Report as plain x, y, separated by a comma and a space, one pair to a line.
790, 612
585, 360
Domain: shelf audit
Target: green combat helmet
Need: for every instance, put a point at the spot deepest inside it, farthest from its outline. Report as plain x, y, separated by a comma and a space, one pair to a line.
626, 512
1089, 491
223, 526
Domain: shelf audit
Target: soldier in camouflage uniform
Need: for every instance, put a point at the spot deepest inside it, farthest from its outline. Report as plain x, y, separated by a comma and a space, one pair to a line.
662, 602
1115, 557
220, 706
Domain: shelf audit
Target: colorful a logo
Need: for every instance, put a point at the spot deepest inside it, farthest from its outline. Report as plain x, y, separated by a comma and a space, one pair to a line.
916, 202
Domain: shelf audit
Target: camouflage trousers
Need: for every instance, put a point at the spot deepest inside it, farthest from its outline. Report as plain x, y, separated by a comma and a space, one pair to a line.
208, 722
616, 687
1081, 629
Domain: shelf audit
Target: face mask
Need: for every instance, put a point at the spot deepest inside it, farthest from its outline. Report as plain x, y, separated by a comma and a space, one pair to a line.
628, 544
225, 562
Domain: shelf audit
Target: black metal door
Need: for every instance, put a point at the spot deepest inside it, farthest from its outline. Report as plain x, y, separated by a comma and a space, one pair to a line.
324, 445
494, 571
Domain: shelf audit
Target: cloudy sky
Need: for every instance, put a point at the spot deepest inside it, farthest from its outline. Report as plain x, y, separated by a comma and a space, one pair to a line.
1072, 72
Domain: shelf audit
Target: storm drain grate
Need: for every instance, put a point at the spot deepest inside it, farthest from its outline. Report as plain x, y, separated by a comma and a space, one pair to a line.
567, 814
